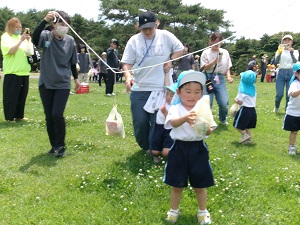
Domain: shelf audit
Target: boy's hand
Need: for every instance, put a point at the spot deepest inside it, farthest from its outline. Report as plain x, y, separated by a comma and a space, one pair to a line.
164, 110
191, 119
209, 131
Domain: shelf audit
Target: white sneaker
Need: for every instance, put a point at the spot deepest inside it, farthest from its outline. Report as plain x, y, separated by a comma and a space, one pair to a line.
292, 150
108, 94
113, 94
244, 138
248, 142
225, 123
276, 110
204, 218
172, 216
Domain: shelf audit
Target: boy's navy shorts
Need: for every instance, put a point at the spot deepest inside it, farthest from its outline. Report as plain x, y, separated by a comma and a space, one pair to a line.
245, 118
291, 123
188, 161
161, 138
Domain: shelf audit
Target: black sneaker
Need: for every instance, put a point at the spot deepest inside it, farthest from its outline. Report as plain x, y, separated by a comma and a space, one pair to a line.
51, 152
60, 151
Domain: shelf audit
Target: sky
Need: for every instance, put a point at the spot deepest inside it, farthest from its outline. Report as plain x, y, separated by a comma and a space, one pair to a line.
250, 19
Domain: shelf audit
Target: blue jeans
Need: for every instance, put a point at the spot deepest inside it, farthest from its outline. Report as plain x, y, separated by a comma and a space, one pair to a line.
221, 95
143, 122
283, 78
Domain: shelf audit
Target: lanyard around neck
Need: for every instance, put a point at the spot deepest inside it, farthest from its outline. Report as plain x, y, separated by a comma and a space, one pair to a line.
147, 51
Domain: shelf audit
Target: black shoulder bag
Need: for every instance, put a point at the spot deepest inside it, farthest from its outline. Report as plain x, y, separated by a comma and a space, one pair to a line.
209, 85
35, 58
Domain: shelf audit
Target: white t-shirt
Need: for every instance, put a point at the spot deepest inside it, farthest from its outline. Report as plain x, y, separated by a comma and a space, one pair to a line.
160, 48
247, 100
286, 61
208, 56
160, 117
293, 107
185, 132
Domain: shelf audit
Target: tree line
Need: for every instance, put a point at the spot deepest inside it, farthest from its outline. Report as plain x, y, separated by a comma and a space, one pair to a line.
192, 24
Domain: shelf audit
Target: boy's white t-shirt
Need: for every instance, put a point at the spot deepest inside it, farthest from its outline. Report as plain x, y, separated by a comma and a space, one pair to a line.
185, 132
160, 117
152, 78
293, 107
247, 100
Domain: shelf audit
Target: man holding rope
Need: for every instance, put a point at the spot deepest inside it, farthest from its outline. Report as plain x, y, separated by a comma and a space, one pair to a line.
145, 53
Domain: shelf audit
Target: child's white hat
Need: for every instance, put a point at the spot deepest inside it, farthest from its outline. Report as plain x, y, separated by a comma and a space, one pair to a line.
191, 76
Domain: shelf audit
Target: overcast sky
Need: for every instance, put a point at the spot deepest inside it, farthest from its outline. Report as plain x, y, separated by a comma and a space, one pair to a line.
251, 19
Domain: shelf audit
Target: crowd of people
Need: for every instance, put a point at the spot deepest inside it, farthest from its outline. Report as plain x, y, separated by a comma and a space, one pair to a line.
163, 105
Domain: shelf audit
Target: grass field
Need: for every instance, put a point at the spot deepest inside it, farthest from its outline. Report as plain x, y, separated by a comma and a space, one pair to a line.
109, 180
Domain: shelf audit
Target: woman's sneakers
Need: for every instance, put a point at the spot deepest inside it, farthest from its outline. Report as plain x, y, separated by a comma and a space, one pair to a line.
58, 152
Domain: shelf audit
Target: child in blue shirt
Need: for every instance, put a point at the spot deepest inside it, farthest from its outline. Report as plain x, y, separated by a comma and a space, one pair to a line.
246, 117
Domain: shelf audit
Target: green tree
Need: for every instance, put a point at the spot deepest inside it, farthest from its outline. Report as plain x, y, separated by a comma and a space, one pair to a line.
190, 23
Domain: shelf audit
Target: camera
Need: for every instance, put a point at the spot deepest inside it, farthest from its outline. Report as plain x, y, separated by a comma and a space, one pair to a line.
284, 46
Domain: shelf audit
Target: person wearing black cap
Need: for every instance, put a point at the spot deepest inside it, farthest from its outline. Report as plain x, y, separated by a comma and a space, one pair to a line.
148, 51
113, 58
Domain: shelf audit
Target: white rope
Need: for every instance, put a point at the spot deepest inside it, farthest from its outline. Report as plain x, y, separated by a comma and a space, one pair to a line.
285, 19
175, 59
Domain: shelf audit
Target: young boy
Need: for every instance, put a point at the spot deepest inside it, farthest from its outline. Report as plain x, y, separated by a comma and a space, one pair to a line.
292, 118
188, 158
246, 117
161, 140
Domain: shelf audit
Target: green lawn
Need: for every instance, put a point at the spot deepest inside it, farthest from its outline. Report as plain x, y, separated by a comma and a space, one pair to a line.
109, 180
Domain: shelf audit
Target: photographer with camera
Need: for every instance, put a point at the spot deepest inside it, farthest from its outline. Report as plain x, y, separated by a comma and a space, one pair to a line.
16, 69
286, 56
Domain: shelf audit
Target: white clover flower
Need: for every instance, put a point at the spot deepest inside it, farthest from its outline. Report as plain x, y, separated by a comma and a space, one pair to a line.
125, 209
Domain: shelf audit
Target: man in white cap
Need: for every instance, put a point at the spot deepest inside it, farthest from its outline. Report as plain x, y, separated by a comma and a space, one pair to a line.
286, 56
